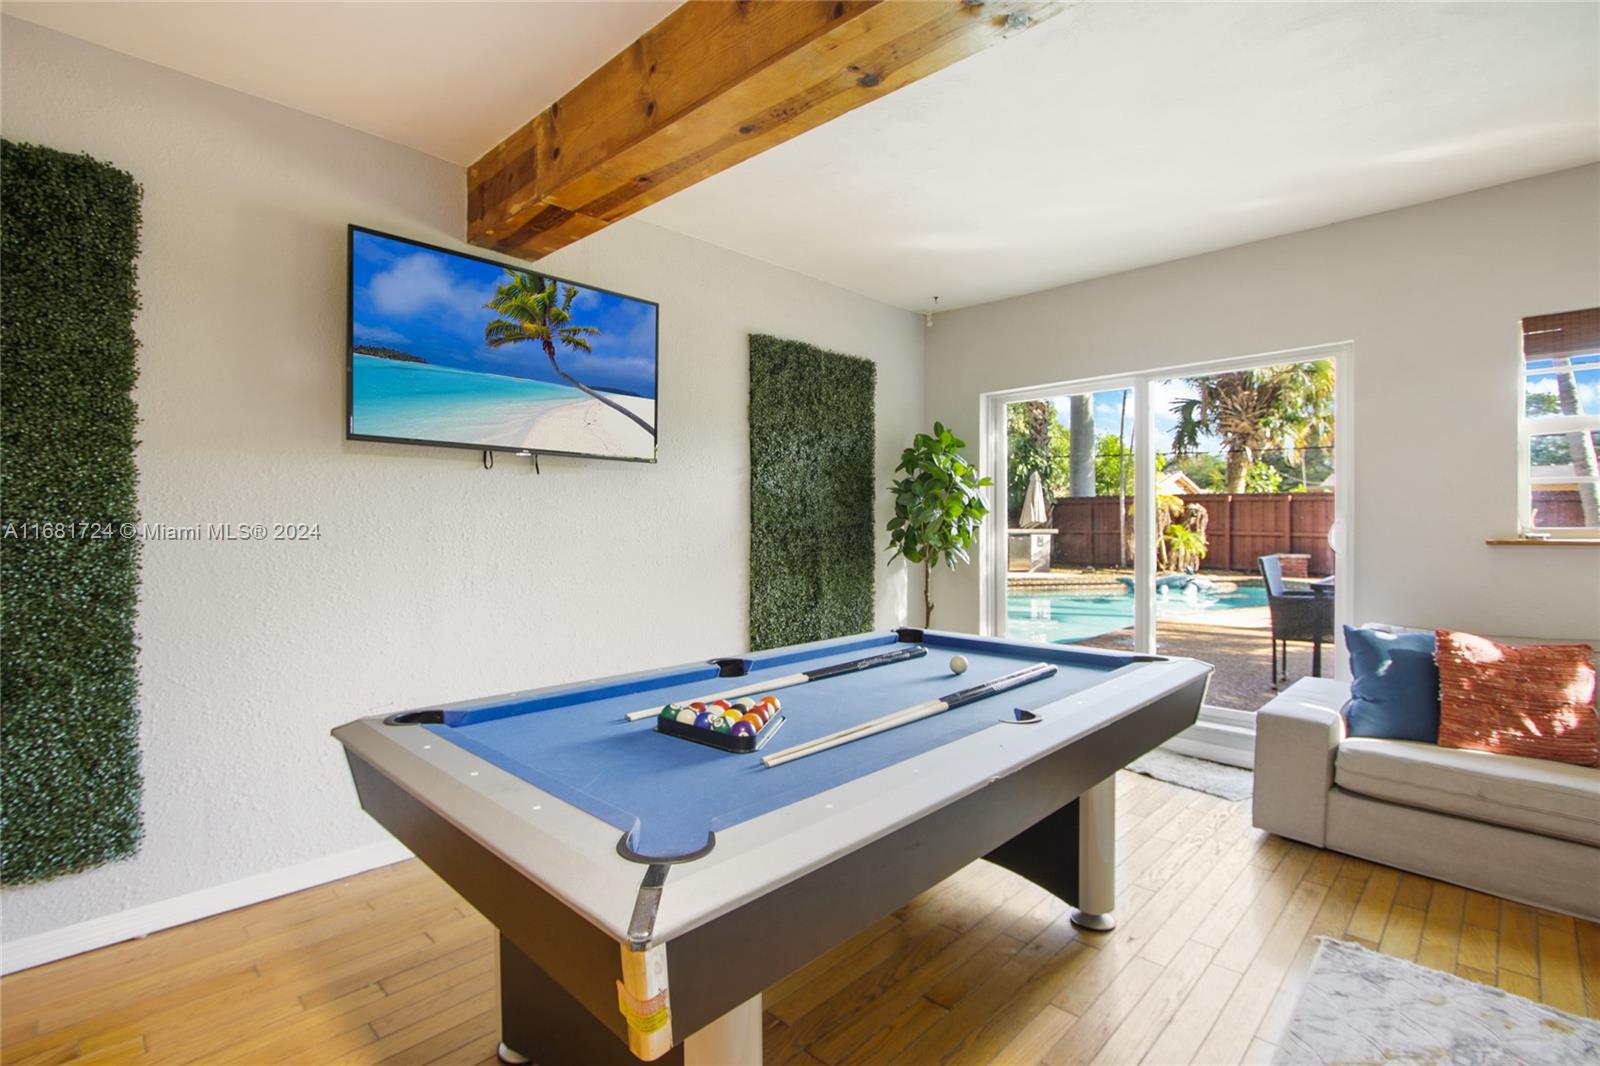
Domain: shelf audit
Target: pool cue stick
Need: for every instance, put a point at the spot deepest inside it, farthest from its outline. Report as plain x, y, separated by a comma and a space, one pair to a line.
915, 713
821, 673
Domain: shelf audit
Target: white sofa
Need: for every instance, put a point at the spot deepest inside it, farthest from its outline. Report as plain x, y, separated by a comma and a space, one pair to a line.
1524, 829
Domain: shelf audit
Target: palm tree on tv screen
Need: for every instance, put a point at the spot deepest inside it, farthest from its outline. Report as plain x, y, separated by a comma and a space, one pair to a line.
532, 309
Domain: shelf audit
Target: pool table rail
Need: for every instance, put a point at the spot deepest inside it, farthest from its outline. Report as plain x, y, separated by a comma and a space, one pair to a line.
574, 855
549, 875
784, 845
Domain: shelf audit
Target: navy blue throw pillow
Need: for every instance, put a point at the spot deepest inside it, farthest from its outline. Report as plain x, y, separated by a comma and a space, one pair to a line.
1394, 688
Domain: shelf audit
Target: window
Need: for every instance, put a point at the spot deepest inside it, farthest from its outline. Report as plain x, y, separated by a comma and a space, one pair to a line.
1559, 427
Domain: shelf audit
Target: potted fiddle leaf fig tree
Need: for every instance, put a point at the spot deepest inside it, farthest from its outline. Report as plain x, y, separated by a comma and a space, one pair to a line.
938, 507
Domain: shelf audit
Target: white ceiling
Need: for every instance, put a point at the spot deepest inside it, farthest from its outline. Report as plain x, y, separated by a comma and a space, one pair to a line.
449, 79
1118, 135
1113, 136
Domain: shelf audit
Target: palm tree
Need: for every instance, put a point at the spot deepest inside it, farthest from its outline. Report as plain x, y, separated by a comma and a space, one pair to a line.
531, 309
1285, 407
1581, 445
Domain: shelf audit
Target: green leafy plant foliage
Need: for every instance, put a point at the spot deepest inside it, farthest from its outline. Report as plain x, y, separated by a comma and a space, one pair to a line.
938, 506
811, 489
1547, 449
1286, 410
1185, 547
69, 755
1036, 442
1262, 477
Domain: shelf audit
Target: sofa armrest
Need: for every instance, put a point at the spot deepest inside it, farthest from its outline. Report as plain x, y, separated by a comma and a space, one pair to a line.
1297, 739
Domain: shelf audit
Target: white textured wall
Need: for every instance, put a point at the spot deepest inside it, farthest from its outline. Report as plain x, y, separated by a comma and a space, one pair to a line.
1431, 297
433, 580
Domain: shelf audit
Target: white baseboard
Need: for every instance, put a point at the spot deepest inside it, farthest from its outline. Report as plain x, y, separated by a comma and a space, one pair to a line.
136, 922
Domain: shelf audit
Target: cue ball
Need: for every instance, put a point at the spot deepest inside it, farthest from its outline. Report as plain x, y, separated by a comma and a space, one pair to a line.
958, 664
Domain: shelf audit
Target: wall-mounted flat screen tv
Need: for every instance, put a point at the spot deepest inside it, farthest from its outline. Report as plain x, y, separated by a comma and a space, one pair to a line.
455, 350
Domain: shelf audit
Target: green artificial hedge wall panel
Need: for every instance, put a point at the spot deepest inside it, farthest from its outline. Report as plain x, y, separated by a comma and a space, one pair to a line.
811, 463
69, 752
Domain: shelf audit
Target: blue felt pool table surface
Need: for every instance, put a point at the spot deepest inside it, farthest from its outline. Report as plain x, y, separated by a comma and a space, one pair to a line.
669, 795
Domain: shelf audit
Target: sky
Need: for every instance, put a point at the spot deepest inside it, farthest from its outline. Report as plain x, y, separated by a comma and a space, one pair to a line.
1108, 409
1166, 393
1586, 371
431, 304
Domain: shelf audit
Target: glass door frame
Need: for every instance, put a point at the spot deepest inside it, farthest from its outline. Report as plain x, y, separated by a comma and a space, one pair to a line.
992, 461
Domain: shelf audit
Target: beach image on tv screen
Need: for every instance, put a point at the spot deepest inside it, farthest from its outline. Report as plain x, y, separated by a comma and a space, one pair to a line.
454, 350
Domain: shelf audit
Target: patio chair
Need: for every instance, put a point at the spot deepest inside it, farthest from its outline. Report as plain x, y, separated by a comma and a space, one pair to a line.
1296, 615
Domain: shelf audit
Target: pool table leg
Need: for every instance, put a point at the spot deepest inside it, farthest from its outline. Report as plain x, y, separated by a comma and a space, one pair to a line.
1097, 859
732, 1040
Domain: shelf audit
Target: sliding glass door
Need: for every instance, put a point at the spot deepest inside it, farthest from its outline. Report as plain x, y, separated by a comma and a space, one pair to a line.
1070, 547
1190, 512
1245, 505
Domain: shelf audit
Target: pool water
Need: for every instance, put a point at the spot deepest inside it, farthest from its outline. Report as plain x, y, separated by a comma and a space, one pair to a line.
1064, 617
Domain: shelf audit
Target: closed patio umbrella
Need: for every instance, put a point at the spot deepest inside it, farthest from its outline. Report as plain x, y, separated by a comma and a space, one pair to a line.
1034, 513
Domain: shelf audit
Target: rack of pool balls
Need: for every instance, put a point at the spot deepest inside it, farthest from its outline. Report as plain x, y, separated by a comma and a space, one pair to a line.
739, 725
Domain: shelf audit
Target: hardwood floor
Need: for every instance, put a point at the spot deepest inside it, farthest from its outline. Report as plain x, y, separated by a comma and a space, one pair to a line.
1217, 928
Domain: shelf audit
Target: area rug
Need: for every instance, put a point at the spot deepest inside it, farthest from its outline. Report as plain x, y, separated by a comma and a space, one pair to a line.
1202, 775
1362, 1007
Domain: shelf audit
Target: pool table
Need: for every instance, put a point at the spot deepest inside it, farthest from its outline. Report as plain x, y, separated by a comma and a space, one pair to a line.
647, 889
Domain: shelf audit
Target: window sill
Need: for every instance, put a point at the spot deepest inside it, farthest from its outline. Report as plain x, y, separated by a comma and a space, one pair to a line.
1539, 542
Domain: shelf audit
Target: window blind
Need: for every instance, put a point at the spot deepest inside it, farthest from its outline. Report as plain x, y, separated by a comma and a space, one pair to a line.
1560, 335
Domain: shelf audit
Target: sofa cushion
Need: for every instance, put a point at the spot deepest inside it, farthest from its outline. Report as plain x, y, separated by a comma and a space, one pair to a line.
1394, 686
1536, 700
1552, 798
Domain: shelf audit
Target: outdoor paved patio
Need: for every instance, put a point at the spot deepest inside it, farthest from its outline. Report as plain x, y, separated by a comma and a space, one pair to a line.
1241, 656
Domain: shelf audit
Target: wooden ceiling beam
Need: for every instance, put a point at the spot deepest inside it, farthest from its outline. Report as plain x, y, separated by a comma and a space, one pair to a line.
712, 84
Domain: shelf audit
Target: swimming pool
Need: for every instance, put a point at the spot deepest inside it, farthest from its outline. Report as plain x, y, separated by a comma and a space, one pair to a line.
1064, 617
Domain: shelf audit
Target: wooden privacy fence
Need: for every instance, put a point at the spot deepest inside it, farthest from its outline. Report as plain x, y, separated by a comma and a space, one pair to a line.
1557, 508
1242, 528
